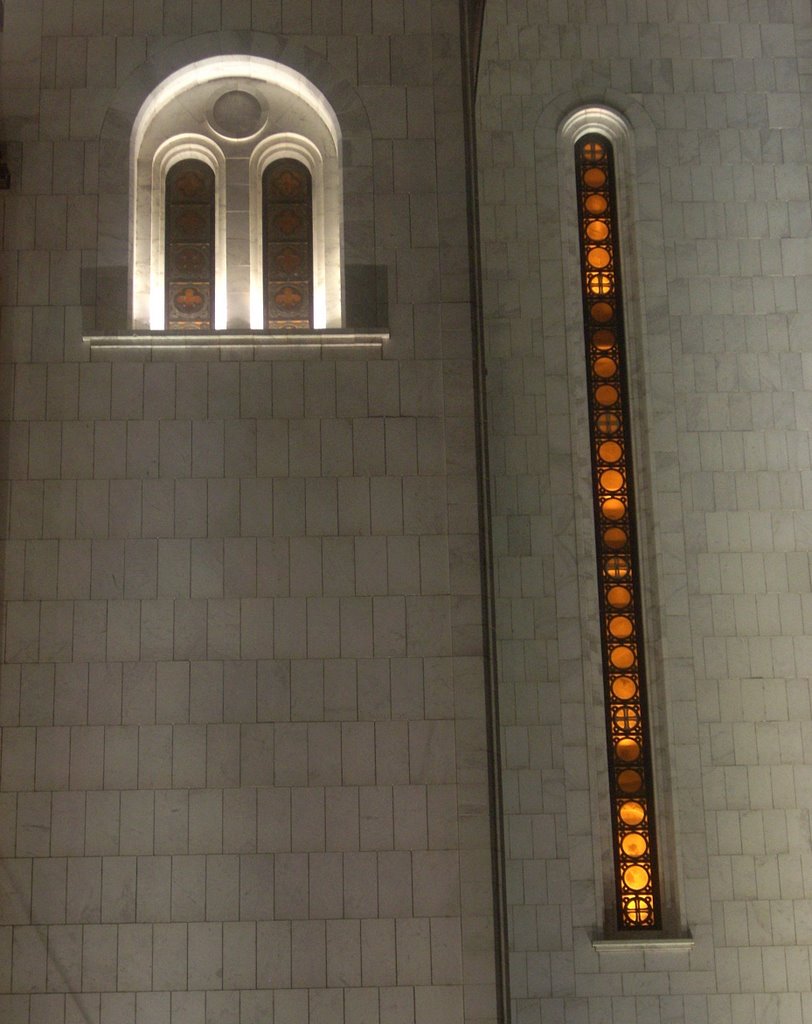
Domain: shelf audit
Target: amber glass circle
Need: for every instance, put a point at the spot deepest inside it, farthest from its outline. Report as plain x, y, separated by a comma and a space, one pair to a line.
606, 394
621, 627
619, 597
597, 231
614, 537
607, 423
596, 204
593, 150
636, 877
610, 451
602, 312
613, 508
603, 338
599, 258
630, 781
634, 845
622, 657
637, 909
617, 568
604, 367
627, 749
601, 284
623, 688
612, 480
631, 812
625, 717
594, 177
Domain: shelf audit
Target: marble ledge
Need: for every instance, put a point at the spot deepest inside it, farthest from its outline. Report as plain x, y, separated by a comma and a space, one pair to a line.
263, 344
650, 944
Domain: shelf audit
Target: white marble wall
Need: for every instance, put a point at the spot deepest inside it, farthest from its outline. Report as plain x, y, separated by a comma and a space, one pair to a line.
244, 764
717, 97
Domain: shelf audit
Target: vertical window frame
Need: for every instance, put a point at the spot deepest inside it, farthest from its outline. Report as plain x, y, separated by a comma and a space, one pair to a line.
174, 274
633, 137
301, 278
636, 875
150, 262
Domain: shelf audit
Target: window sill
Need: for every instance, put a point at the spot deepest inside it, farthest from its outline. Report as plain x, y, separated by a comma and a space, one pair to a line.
655, 943
332, 338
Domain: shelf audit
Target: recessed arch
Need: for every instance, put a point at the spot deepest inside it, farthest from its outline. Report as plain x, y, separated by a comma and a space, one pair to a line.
293, 118
630, 132
111, 306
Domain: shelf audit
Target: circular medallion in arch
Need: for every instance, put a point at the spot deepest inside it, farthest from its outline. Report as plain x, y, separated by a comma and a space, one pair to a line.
237, 115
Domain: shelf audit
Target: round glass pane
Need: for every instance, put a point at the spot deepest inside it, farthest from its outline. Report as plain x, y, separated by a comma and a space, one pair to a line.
603, 338
625, 717
612, 480
622, 657
619, 597
630, 781
606, 394
596, 204
600, 284
632, 813
610, 451
621, 627
623, 688
636, 877
613, 508
594, 177
599, 258
617, 568
605, 367
614, 538
602, 312
634, 845
637, 910
607, 423
597, 231
627, 749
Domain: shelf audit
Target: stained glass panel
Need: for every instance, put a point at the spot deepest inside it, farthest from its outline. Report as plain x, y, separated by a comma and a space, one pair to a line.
287, 233
189, 246
630, 780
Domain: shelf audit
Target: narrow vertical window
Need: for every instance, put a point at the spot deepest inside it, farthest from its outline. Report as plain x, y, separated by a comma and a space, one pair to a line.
287, 228
630, 777
189, 246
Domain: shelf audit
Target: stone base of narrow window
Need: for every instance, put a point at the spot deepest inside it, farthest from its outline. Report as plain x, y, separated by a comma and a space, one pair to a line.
649, 943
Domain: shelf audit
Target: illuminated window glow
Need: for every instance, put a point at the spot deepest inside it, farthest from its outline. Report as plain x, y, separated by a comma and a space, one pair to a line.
189, 273
630, 778
237, 114
288, 249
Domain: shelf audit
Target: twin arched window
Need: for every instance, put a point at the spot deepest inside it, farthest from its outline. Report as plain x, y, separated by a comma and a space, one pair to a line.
190, 246
237, 201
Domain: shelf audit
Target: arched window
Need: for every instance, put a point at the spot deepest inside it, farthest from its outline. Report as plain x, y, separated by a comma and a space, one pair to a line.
623, 656
287, 231
189, 245
239, 115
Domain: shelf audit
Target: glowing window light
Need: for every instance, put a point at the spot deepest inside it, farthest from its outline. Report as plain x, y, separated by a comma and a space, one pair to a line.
628, 745
189, 273
287, 245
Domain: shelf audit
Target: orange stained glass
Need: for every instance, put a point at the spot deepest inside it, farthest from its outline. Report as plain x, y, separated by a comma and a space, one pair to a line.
628, 744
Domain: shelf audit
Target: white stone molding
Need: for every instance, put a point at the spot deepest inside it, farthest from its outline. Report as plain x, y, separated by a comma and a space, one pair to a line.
177, 121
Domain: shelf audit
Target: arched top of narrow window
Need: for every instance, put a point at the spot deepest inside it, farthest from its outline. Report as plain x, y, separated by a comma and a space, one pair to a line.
189, 273
287, 229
